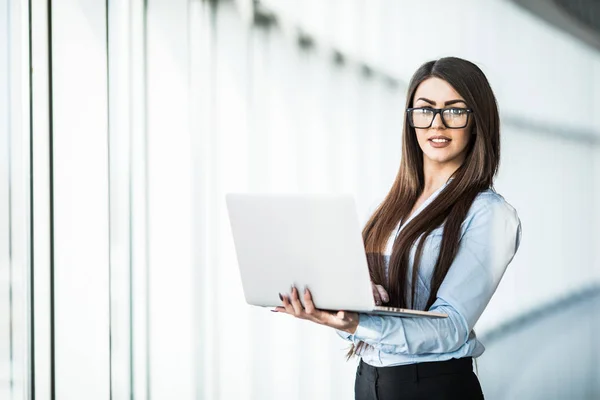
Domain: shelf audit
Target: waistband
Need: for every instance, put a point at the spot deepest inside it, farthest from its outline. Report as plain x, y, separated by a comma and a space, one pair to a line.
412, 372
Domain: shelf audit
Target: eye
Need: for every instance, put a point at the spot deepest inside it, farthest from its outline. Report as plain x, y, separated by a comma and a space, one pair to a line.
457, 111
423, 110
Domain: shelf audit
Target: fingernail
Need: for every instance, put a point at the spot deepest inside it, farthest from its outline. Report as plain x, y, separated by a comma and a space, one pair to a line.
305, 289
274, 311
280, 297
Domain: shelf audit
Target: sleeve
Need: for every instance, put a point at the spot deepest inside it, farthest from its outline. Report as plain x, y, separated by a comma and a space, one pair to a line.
489, 244
344, 335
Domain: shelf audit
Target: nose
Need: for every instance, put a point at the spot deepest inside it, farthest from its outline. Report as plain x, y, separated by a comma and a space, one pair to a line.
437, 122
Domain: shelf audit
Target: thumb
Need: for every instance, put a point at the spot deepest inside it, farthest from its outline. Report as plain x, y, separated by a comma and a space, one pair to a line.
383, 293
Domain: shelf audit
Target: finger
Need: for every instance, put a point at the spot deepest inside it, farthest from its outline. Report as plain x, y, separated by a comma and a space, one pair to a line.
298, 309
287, 305
347, 317
279, 309
383, 295
336, 319
309, 306
376, 294
311, 311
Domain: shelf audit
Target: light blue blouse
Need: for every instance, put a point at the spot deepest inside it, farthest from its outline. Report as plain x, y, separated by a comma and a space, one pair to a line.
491, 233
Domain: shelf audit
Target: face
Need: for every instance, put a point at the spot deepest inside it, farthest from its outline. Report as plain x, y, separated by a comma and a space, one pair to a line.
437, 93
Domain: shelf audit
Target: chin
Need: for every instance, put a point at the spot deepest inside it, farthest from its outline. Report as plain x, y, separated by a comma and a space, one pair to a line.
441, 158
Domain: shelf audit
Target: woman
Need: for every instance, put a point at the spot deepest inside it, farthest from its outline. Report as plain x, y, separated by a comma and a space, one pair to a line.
440, 241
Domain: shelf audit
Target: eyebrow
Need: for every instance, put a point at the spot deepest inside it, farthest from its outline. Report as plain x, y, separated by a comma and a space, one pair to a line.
449, 102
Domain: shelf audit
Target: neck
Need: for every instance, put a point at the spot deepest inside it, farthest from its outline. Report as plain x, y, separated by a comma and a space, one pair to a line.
436, 175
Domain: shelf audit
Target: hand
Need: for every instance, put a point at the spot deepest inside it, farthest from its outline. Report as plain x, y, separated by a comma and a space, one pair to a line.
346, 321
380, 294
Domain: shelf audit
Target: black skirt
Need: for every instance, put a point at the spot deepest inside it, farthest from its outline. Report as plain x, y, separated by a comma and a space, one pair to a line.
439, 380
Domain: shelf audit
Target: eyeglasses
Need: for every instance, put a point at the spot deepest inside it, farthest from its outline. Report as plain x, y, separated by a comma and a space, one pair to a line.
453, 118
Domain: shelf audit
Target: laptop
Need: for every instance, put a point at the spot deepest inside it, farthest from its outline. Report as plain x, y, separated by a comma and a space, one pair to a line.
312, 240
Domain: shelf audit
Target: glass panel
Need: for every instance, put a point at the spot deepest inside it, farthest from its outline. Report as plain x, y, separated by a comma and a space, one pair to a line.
80, 206
14, 203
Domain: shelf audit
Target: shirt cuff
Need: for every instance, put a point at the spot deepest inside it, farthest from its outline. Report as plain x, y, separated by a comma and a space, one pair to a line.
368, 329
344, 335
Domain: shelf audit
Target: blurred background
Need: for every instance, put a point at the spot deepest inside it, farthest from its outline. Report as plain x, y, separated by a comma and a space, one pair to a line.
124, 123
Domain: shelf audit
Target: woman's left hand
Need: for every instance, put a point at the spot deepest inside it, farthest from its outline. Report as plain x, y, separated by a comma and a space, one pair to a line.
346, 321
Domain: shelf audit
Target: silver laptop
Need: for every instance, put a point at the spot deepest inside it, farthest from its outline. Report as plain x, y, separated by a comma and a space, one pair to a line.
311, 240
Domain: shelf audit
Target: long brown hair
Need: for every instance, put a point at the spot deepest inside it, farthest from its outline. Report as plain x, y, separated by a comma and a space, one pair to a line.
450, 206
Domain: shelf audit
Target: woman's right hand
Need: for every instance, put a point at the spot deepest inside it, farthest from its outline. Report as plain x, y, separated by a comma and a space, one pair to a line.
380, 294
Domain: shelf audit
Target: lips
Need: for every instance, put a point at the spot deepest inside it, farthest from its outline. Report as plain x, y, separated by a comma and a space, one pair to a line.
439, 137
439, 141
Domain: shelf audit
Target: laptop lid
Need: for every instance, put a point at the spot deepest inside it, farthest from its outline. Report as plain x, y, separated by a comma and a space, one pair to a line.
301, 239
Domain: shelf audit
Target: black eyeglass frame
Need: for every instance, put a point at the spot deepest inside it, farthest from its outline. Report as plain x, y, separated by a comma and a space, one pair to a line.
435, 112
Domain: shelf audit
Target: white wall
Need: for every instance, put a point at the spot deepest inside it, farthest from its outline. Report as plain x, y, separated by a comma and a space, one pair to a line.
14, 188
525, 59
169, 202
5, 270
545, 179
80, 200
